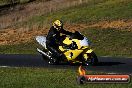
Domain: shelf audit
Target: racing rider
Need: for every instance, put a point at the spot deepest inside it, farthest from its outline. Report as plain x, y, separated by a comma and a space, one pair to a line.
53, 38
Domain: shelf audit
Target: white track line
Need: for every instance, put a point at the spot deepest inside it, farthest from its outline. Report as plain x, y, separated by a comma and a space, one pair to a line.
4, 66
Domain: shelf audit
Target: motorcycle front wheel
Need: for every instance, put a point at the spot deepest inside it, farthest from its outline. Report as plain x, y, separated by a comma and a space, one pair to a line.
92, 60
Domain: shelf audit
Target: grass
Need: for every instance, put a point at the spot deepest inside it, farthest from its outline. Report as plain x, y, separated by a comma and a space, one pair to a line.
47, 78
105, 42
88, 12
23, 48
110, 42
92, 11
17, 15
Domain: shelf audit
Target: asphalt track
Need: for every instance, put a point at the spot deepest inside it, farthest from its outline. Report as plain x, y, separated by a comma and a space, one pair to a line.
106, 64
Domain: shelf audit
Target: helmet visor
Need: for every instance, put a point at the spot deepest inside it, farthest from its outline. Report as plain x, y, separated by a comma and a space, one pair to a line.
59, 27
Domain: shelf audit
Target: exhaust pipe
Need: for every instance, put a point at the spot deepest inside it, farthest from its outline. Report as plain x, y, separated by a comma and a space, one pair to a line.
40, 51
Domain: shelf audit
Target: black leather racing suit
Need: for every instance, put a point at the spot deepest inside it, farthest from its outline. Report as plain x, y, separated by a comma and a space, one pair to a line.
53, 39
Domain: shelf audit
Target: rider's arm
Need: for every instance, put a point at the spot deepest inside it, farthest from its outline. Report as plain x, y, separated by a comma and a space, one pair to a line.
52, 35
66, 32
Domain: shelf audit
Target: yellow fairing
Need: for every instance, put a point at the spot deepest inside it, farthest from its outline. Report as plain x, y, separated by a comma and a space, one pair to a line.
89, 51
67, 41
85, 56
72, 54
77, 42
61, 48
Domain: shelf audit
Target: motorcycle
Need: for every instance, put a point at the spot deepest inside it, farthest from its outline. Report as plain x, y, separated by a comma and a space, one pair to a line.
76, 49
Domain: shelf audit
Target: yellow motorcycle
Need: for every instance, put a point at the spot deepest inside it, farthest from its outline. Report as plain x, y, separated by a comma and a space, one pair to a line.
76, 49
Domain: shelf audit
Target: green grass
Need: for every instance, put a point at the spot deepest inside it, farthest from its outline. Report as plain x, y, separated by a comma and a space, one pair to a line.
110, 42
92, 11
47, 78
105, 42
22, 48
3, 2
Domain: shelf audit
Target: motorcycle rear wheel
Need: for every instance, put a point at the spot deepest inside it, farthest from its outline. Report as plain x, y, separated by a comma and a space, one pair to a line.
53, 61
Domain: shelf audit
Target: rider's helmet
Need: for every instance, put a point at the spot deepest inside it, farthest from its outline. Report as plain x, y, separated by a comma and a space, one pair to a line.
58, 24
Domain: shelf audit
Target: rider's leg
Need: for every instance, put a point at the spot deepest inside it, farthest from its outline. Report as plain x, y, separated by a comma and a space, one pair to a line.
55, 52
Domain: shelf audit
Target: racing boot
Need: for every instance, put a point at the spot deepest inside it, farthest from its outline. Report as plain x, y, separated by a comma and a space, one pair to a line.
62, 57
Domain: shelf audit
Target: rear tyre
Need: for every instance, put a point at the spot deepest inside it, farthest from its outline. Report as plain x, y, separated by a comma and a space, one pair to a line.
53, 61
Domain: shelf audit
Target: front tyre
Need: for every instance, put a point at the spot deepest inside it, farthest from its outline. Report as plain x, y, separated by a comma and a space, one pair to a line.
93, 59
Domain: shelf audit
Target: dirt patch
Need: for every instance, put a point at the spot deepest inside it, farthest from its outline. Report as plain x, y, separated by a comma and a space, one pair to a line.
21, 35
118, 24
12, 36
